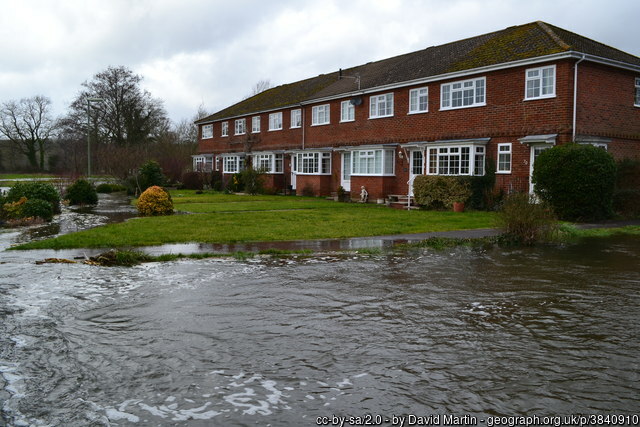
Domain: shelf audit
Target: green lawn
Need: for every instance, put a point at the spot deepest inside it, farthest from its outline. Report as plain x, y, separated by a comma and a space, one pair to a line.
12, 176
224, 218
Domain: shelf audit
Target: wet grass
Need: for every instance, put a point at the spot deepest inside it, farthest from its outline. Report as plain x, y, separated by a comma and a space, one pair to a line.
236, 219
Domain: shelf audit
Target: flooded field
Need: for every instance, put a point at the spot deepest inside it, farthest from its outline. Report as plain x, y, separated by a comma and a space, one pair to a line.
283, 341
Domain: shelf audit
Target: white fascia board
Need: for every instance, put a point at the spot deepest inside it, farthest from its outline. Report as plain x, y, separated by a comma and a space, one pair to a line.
367, 147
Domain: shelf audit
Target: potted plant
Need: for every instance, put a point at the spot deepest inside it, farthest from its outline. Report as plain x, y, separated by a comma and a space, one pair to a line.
459, 193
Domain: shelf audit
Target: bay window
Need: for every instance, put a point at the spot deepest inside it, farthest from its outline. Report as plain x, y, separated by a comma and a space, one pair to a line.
455, 160
232, 164
269, 163
313, 163
372, 162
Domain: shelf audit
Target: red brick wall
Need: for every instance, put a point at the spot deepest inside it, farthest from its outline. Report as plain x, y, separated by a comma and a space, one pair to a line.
605, 102
606, 109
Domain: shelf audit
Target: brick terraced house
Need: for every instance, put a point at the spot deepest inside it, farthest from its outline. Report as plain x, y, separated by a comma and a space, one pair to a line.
501, 97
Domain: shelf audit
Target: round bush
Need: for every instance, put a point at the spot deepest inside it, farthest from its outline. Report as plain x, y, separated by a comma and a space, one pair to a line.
576, 180
438, 192
81, 192
155, 201
35, 190
37, 208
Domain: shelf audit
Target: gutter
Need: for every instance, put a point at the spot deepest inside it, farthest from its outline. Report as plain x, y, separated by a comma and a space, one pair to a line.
575, 96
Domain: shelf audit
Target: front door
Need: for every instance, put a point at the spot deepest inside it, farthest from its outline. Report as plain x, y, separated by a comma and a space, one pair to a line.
294, 169
417, 168
536, 149
345, 181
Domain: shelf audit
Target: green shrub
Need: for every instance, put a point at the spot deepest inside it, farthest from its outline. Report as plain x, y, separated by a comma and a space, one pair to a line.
155, 201
234, 184
150, 174
440, 192
525, 222
81, 192
13, 210
110, 188
37, 208
35, 190
252, 181
192, 181
576, 180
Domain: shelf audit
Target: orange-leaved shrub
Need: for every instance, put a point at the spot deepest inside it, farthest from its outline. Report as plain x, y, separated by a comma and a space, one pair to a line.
155, 201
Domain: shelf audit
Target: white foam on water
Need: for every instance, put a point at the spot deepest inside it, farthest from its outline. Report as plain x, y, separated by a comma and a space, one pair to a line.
115, 415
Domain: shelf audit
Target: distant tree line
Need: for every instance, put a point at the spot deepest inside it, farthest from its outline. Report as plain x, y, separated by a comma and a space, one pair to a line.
124, 123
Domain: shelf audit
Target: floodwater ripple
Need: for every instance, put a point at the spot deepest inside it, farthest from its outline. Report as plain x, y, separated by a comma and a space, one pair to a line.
547, 331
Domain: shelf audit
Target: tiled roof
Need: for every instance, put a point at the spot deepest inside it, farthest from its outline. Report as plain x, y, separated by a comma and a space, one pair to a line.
511, 44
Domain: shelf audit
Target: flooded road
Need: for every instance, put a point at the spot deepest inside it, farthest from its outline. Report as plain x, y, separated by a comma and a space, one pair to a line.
282, 341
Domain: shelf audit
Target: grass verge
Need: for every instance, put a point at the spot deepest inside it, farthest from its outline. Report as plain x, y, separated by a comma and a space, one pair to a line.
235, 219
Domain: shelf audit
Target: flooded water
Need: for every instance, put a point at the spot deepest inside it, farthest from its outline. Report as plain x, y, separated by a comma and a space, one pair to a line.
280, 342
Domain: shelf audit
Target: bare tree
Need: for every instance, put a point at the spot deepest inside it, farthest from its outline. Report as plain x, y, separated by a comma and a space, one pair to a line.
28, 124
186, 131
127, 115
260, 86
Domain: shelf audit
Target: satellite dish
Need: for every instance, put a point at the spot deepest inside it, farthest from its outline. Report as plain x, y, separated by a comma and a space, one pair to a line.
356, 101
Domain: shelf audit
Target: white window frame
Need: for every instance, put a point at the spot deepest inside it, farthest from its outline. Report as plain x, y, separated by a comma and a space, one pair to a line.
225, 129
240, 126
313, 163
373, 162
296, 118
271, 163
381, 106
478, 87
275, 121
255, 124
504, 158
207, 131
636, 101
535, 76
232, 164
415, 97
468, 159
199, 163
320, 115
347, 112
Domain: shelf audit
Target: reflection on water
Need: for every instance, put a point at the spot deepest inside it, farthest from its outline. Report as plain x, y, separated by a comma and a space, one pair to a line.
545, 331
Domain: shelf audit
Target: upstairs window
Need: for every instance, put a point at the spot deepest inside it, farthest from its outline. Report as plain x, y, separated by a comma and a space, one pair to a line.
320, 115
296, 118
541, 82
419, 100
225, 129
347, 111
467, 93
241, 126
637, 101
207, 131
255, 124
504, 158
381, 106
275, 121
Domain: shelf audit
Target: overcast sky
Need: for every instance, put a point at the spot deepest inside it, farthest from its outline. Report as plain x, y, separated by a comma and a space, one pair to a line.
211, 52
